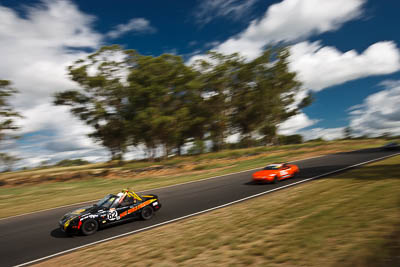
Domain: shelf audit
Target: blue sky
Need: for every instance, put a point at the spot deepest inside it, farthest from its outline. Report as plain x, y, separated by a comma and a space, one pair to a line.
346, 52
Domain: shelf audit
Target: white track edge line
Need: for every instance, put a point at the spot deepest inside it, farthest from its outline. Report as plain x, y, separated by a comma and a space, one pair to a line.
157, 188
204, 211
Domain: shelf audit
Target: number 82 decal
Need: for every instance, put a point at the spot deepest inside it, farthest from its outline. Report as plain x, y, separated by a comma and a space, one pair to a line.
112, 215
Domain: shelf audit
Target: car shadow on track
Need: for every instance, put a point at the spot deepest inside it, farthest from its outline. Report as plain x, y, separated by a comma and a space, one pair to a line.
256, 183
270, 184
57, 233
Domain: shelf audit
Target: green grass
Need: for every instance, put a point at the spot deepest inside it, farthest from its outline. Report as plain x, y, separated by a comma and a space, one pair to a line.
352, 219
24, 198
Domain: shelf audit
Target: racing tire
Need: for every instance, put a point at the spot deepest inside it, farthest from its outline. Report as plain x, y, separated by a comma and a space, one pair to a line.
89, 227
276, 179
147, 213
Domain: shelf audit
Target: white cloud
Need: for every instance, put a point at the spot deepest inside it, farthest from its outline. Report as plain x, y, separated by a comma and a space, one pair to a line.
295, 123
321, 67
318, 67
379, 113
51, 25
324, 133
210, 9
298, 123
291, 20
35, 51
137, 25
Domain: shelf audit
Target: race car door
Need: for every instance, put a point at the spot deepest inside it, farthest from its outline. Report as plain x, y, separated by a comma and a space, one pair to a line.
285, 172
126, 208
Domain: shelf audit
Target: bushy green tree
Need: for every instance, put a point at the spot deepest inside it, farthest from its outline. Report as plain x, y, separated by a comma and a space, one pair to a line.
160, 102
264, 95
163, 102
249, 97
218, 73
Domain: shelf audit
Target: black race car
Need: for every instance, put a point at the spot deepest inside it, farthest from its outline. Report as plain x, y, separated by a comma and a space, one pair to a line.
110, 210
391, 146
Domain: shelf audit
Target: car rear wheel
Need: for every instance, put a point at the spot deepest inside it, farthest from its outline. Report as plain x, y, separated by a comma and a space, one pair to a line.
276, 179
147, 213
89, 227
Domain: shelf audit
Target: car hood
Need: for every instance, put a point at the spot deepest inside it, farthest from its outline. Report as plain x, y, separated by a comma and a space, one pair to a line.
264, 173
79, 212
83, 210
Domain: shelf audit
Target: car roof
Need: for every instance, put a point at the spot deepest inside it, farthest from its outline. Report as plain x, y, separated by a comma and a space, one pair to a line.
275, 165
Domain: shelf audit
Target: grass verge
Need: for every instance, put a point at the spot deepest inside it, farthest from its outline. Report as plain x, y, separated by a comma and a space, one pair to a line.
351, 219
28, 197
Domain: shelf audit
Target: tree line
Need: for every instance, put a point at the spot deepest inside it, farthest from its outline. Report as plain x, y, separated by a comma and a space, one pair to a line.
160, 102
132, 99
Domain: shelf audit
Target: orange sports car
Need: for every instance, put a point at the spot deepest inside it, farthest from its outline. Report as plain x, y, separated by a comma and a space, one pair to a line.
276, 172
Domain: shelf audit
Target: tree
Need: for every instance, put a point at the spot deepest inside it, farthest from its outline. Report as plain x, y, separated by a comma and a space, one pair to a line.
348, 132
8, 161
130, 99
249, 97
198, 147
7, 123
385, 135
160, 102
264, 95
102, 102
218, 73
163, 97
7, 113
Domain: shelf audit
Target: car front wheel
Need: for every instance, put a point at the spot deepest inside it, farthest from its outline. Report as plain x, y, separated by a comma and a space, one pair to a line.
276, 179
89, 227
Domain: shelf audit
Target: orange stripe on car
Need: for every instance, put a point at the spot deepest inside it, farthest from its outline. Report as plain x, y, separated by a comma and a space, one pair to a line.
140, 206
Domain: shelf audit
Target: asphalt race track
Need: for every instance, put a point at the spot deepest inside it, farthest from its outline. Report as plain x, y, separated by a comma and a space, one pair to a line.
33, 236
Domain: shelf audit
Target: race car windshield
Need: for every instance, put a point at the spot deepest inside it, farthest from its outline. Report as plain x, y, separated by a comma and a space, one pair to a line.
107, 201
272, 167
